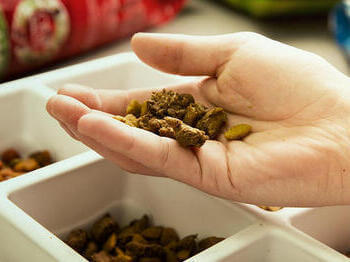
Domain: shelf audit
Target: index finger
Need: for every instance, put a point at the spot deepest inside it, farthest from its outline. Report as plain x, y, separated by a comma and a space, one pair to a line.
115, 101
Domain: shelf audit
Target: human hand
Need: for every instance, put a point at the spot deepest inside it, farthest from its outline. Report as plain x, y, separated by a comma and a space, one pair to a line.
297, 104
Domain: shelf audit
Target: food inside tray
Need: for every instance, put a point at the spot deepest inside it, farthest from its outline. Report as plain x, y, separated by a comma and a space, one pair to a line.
140, 241
178, 116
269, 208
12, 164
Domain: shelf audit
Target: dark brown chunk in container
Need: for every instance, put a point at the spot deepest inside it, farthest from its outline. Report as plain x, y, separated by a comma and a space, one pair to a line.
122, 257
77, 239
26, 165
103, 228
208, 242
42, 157
91, 248
111, 243
183, 254
139, 238
152, 233
137, 249
8, 155
170, 255
188, 243
7, 173
101, 256
149, 259
168, 235
140, 224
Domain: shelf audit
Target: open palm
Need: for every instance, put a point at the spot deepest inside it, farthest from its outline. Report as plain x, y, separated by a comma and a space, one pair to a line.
297, 103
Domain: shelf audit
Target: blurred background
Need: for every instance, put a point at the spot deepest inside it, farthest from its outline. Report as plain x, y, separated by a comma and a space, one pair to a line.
41, 35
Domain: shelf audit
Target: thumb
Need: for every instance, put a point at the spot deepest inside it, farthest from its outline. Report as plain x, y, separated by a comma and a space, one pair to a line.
187, 55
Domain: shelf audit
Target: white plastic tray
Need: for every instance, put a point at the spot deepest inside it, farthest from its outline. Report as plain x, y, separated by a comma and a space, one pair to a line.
39, 208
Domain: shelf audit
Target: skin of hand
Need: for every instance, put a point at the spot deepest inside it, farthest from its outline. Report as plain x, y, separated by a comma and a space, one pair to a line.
297, 103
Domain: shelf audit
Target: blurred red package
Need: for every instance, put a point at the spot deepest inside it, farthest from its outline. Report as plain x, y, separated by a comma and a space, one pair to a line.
36, 32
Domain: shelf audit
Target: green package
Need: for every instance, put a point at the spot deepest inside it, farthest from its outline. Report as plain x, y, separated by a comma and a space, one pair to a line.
273, 8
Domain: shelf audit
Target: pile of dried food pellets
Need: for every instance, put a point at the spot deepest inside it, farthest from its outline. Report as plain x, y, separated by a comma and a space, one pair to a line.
137, 242
13, 165
178, 116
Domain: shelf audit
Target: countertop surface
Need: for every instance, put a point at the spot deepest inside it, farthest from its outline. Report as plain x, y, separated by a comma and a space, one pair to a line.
203, 17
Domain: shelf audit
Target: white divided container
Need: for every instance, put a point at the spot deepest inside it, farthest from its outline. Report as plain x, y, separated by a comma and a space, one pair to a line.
123, 71
38, 209
27, 127
329, 225
100, 187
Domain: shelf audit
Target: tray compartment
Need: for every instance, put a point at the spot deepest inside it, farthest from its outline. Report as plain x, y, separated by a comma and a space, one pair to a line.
330, 225
27, 127
122, 71
267, 243
77, 198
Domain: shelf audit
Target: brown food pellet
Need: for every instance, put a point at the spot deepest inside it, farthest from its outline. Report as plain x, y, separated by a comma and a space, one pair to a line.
91, 248
208, 242
152, 233
7, 173
212, 122
150, 259
101, 256
188, 243
122, 257
170, 255
138, 249
194, 112
42, 157
111, 243
102, 229
26, 165
77, 239
14, 162
168, 235
270, 208
183, 254
140, 224
8, 155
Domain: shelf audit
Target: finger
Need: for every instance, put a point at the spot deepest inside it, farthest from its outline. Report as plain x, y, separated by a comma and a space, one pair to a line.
65, 127
84, 94
161, 154
116, 101
122, 161
187, 55
66, 110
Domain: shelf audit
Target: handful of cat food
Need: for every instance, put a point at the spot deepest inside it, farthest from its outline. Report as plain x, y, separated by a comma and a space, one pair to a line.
137, 242
178, 116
